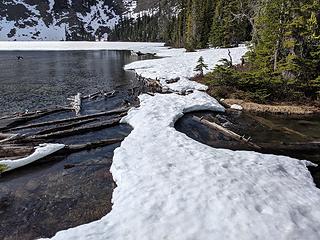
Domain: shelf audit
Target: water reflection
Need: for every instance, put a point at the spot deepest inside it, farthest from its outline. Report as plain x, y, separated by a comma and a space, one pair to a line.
49, 77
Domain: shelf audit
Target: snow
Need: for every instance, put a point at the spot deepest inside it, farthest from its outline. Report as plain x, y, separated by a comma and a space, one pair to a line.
236, 107
131, 12
39, 31
100, 15
170, 186
72, 46
41, 151
179, 63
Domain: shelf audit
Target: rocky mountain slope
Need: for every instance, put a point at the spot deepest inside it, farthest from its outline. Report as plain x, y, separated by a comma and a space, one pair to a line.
60, 19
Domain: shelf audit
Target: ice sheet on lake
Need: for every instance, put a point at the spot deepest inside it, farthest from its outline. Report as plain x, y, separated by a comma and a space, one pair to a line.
68, 46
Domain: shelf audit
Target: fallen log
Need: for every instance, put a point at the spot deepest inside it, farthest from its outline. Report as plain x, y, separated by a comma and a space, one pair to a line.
93, 95
14, 150
65, 127
120, 112
110, 94
11, 137
16, 121
45, 150
40, 152
226, 132
77, 131
6, 135
93, 145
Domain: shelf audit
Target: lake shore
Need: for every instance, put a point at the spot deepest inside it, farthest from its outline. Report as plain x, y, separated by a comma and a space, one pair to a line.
165, 179
168, 164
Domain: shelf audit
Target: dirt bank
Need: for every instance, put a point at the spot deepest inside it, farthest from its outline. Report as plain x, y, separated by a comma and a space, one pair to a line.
281, 108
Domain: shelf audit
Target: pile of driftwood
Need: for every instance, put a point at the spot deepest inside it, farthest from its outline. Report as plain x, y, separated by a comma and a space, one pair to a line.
21, 134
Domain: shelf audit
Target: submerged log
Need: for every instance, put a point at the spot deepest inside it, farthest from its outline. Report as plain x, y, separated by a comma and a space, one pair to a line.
273, 126
67, 126
45, 150
77, 131
293, 147
110, 94
40, 152
7, 151
120, 112
274, 148
93, 145
10, 137
226, 132
16, 121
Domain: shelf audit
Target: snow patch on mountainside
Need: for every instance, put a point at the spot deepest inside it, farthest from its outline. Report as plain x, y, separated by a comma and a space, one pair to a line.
21, 20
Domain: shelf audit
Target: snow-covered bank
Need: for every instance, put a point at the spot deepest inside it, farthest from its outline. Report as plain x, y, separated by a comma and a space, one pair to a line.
181, 64
172, 187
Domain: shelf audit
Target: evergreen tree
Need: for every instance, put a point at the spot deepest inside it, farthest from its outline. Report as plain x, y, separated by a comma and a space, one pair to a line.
201, 66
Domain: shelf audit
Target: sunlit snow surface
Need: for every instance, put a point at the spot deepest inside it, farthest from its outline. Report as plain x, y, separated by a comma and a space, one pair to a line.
172, 187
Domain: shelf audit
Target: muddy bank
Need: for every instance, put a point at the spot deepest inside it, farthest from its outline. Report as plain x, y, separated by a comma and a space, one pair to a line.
286, 109
273, 133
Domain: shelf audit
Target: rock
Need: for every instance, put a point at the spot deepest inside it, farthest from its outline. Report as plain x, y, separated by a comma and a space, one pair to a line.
174, 80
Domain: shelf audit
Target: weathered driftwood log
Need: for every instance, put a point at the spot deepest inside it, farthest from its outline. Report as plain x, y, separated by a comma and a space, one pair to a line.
9, 137
65, 127
16, 121
15, 150
45, 150
93, 145
120, 112
110, 94
226, 132
76, 103
40, 152
77, 131
6, 135
93, 95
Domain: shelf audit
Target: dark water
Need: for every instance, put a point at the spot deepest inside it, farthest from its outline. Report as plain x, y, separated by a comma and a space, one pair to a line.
46, 197
50, 77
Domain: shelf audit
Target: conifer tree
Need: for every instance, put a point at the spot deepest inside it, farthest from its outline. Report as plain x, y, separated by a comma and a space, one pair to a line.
201, 66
